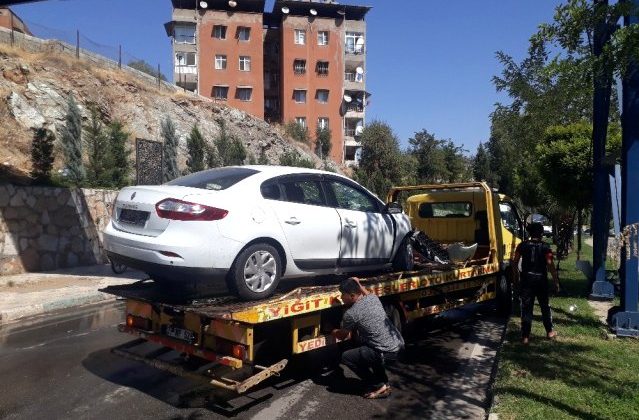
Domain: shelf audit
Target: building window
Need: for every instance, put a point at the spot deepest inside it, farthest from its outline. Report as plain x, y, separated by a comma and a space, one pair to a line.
184, 34
322, 38
322, 123
299, 66
299, 95
185, 59
243, 93
301, 121
219, 31
245, 63
322, 96
220, 62
322, 68
354, 43
243, 33
300, 36
220, 92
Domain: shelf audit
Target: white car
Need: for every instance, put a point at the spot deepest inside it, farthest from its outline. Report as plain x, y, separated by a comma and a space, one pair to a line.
246, 227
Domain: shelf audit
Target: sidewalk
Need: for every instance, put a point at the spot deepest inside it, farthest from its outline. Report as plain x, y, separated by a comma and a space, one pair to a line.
31, 294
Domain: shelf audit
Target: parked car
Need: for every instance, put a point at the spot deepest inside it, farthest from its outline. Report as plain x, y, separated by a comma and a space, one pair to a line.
253, 225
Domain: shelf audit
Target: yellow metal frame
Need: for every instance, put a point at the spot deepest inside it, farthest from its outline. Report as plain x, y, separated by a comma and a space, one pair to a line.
297, 324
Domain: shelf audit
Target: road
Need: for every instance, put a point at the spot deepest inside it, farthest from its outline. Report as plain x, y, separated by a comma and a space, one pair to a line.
60, 366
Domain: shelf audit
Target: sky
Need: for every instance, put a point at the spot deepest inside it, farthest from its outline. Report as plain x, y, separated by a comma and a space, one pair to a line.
430, 63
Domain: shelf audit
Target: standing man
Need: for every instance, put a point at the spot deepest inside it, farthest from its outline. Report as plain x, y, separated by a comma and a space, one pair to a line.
380, 340
536, 260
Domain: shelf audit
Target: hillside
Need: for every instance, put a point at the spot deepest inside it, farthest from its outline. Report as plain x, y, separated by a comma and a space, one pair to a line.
34, 88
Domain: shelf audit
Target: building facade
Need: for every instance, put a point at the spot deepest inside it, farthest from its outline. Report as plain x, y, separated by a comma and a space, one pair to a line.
303, 62
11, 21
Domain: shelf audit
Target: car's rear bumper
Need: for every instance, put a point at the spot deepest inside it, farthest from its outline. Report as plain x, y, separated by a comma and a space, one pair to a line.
171, 272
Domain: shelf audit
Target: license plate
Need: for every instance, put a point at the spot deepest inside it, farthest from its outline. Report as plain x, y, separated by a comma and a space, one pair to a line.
133, 217
180, 333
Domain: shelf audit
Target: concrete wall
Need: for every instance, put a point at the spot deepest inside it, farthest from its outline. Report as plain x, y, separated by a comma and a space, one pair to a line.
43, 229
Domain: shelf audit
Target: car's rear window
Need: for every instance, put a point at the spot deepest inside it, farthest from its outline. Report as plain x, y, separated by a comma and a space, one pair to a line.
214, 179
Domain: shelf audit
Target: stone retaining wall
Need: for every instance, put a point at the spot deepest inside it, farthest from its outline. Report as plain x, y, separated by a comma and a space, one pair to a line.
43, 228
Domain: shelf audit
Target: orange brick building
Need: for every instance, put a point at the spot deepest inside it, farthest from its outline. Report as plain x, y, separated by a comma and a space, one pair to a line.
305, 62
10, 20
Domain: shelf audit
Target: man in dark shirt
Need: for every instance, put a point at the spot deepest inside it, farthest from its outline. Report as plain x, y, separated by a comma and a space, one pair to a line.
380, 340
536, 260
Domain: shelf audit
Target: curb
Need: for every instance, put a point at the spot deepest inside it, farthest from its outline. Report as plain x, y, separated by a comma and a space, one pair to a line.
14, 314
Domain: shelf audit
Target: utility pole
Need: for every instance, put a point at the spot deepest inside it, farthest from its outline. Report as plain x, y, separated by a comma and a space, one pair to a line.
625, 319
602, 78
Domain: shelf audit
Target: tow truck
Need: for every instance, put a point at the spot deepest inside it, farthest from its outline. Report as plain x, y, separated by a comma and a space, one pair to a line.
235, 345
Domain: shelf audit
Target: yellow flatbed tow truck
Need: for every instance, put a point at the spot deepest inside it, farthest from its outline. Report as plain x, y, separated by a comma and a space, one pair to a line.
252, 341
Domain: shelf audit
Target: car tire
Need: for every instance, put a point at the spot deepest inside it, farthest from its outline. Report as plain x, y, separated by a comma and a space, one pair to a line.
403, 260
256, 272
394, 315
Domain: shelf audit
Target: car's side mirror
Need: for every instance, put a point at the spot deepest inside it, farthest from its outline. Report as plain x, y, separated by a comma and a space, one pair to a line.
393, 208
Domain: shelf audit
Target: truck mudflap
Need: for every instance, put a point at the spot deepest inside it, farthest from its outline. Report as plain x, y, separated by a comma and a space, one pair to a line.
202, 374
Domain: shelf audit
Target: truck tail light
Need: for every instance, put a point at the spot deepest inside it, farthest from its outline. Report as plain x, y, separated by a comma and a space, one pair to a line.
174, 209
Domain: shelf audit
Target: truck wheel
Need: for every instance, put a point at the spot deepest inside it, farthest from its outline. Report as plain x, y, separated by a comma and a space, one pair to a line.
403, 260
392, 312
256, 272
504, 294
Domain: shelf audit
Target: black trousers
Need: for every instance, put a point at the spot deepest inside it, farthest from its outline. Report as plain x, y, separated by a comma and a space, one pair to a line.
369, 364
531, 289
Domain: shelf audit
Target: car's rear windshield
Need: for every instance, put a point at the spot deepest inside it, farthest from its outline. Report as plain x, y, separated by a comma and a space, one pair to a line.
214, 179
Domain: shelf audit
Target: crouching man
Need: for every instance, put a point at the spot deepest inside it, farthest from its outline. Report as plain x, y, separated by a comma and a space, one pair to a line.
377, 338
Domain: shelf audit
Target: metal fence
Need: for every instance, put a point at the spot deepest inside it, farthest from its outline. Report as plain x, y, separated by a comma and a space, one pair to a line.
75, 42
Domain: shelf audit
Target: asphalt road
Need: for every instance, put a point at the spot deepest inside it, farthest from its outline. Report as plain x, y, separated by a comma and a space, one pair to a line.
60, 366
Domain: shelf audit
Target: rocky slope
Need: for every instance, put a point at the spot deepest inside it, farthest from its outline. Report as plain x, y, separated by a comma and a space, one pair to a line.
34, 88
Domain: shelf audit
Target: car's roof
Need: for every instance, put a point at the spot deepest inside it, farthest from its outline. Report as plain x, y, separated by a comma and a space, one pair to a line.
274, 170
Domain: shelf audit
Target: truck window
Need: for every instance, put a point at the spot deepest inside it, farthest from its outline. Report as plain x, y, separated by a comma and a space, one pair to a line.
452, 209
510, 219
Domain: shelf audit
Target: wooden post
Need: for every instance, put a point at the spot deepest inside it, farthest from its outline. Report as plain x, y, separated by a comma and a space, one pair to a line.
120, 56
77, 43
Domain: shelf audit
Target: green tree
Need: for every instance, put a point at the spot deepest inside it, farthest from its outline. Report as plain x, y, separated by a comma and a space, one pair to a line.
119, 155
292, 158
297, 131
42, 155
145, 67
71, 142
231, 150
196, 148
322, 142
170, 150
380, 165
97, 149
481, 165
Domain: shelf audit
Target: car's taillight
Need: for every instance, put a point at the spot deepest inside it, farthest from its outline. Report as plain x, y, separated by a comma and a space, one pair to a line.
175, 209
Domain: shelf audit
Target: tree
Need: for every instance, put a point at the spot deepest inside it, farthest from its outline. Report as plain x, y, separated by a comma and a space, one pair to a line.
145, 67
322, 142
297, 131
170, 150
71, 142
196, 149
42, 155
380, 165
293, 158
481, 165
231, 151
263, 159
119, 155
97, 150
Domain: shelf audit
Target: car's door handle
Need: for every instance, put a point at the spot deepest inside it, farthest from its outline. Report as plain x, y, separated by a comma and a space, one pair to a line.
292, 221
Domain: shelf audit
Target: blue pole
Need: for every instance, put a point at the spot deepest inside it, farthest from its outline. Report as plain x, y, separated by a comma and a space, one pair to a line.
602, 77
625, 320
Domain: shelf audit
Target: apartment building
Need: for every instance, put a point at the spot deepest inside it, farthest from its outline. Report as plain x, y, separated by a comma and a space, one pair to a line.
303, 61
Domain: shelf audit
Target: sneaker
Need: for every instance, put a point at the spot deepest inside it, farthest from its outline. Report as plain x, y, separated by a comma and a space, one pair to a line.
552, 335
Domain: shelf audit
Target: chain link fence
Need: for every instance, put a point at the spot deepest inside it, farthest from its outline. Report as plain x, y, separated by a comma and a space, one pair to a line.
46, 38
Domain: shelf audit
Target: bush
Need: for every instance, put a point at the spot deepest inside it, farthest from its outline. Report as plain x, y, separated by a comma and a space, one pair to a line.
294, 159
322, 142
42, 155
297, 132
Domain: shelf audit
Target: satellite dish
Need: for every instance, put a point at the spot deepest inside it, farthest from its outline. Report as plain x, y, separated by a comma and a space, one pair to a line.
359, 100
347, 98
313, 12
285, 10
359, 44
359, 129
359, 70
232, 3
341, 12
204, 4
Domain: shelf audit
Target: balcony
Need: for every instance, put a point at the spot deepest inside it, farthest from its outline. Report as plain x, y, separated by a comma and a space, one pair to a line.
355, 107
355, 49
